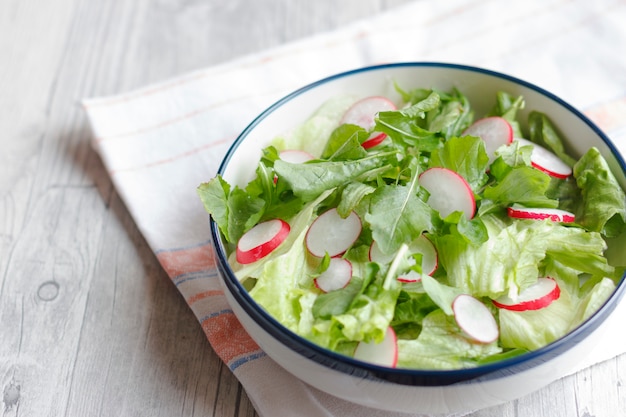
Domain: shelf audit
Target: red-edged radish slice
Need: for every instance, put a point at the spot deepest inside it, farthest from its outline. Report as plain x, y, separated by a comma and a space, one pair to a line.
449, 192
332, 234
384, 353
537, 296
295, 156
546, 161
430, 261
363, 112
494, 131
376, 255
475, 319
261, 240
410, 276
556, 215
336, 276
375, 139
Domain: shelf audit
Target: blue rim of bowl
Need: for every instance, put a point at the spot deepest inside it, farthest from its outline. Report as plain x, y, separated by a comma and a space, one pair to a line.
414, 377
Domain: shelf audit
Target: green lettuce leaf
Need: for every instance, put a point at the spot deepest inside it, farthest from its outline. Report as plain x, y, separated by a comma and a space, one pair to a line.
312, 134
442, 345
510, 260
593, 300
234, 211
366, 318
604, 203
533, 329
466, 156
523, 185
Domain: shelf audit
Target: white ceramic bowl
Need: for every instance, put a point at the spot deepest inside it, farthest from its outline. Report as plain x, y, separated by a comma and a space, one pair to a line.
401, 389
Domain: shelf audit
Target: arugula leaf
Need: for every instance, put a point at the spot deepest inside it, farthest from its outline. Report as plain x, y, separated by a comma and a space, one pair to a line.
406, 126
311, 179
352, 195
397, 215
507, 107
453, 116
543, 132
345, 143
338, 301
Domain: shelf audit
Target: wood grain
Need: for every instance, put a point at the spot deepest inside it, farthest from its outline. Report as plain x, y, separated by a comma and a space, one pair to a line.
90, 325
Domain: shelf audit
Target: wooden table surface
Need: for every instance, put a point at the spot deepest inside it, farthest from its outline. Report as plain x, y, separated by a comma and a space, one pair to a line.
90, 325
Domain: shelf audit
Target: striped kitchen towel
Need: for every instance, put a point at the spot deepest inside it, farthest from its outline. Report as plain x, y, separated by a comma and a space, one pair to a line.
160, 142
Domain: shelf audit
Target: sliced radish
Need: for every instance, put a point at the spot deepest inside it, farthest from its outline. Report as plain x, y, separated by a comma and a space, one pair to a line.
376, 255
494, 131
430, 262
336, 276
332, 234
449, 192
410, 276
295, 156
546, 161
384, 353
556, 215
363, 114
475, 319
375, 139
261, 240
537, 296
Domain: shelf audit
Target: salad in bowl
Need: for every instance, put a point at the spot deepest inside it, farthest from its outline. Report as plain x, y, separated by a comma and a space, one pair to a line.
421, 237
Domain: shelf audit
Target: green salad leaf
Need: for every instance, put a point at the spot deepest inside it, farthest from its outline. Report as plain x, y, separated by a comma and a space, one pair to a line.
604, 203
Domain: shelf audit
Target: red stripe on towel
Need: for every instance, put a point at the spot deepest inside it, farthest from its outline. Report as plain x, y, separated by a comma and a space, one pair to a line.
182, 261
227, 337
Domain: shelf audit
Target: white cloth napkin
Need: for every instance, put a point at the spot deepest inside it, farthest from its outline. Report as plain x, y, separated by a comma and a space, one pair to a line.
159, 142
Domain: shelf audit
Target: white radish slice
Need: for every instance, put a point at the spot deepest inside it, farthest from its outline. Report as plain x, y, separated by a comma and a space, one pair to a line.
475, 319
430, 261
537, 296
336, 276
332, 234
295, 156
363, 114
494, 131
376, 255
546, 161
540, 213
384, 353
449, 192
261, 240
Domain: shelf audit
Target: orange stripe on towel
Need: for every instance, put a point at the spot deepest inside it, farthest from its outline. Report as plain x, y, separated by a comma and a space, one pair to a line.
188, 260
227, 337
205, 294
